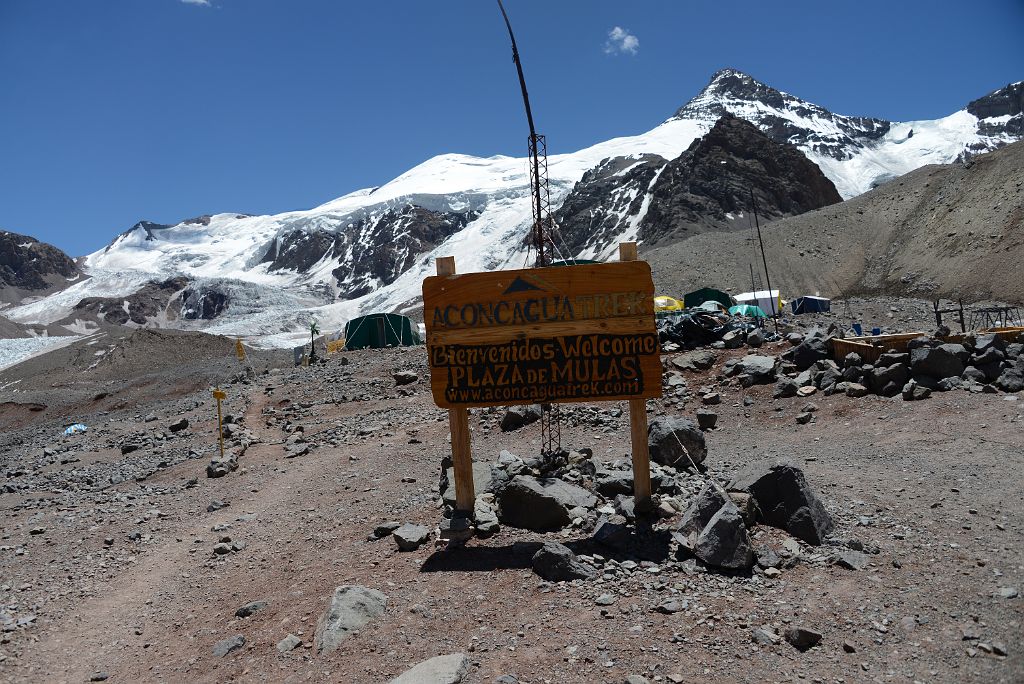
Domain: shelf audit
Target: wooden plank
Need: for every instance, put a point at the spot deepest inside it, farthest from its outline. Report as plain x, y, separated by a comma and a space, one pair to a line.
458, 422
524, 297
638, 425
462, 459
641, 455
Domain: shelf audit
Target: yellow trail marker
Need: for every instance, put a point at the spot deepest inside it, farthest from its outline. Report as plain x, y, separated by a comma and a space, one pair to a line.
219, 395
240, 350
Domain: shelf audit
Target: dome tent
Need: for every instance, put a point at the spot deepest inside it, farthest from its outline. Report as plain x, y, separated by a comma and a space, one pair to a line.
378, 330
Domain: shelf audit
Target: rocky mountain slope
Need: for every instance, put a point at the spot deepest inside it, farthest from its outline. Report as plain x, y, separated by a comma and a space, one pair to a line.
954, 230
267, 276
30, 267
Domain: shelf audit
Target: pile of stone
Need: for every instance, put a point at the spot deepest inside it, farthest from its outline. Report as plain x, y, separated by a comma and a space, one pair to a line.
981, 363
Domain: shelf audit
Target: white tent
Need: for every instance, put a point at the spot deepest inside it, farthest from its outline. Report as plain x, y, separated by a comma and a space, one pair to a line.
769, 301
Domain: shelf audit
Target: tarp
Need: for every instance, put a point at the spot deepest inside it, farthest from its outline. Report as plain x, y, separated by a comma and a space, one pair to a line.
698, 297
664, 303
770, 302
747, 310
74, 429
809, 304
378, 330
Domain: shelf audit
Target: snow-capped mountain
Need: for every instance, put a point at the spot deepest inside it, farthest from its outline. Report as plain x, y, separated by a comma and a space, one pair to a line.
265, 277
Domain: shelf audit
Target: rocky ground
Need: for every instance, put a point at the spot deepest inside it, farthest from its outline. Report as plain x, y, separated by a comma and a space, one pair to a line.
121, 558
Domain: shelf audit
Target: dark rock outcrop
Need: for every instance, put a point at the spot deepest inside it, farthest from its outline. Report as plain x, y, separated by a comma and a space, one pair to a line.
28, 263
713, 179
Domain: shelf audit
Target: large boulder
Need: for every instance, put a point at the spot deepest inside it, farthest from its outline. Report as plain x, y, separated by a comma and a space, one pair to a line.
410, 537
221, 465
520, 416
724, 541
700, 511
540, 504
785, 499
445, 669
943, 361
1011, 380
889, 380
556, 563
352, 607
812, 348
668, 437
756, 369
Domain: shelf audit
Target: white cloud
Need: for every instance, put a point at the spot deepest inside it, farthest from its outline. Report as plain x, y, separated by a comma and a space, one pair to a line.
202, 3
621, 41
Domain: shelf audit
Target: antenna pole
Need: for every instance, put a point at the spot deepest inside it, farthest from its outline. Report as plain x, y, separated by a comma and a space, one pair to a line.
536, 142
764, 260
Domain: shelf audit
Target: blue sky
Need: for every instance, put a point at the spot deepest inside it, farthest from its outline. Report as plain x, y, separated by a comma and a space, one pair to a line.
113, 111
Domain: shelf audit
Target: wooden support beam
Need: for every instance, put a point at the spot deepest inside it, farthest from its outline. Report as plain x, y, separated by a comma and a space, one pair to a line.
638, 426
458, 422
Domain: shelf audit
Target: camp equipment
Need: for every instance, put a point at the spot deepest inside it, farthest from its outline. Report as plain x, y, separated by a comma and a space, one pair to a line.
378, 330
810, 304
747, 310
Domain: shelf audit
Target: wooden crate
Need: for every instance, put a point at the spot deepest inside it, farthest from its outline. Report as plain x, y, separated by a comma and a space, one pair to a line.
870, 347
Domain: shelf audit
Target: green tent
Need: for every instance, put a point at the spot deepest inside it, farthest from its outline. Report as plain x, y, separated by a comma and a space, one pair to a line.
378, 330
747, 310
704, 294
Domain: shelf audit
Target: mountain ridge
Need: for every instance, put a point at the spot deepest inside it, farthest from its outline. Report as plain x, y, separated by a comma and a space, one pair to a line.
226, 252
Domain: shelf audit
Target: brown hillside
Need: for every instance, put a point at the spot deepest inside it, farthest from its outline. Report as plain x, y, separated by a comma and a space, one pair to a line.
951, 231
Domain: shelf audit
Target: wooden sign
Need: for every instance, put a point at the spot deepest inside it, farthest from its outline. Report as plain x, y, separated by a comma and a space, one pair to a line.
573, 333
565, 334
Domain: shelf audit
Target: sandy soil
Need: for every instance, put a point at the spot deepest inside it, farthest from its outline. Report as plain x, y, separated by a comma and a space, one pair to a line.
122, 580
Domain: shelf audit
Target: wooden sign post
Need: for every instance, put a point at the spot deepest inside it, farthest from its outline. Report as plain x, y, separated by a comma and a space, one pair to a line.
219, 395
532, 336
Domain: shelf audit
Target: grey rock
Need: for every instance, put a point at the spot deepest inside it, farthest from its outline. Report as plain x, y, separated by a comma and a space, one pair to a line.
855, 389
99, 676
697, 360
802, 638
758, 368
1008, 592
637, 679
250, 608
706, 419
609, 483
216, 505
351, 608
605, 600
785, 499
785, 388
289, 643
445, 669
700, 511
410, 537
556, 563
915, 392
755, 338
668, 436
520, 416
765, 637
724, 542
540, 504
405, 377
812, 348
221, 466
1011, 380
767, 558
804, 417
384, 529
943, 361
732, 339
229, 645
849, 559
178, 425
882, 380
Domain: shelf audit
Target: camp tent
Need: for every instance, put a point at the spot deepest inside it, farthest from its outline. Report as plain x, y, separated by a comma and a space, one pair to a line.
769, 301
698, 297
378, 330
663, 303
573, 262
809, 304
747, 310
712, 306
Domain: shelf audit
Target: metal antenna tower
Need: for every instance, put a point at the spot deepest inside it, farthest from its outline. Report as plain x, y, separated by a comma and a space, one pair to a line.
540, 237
